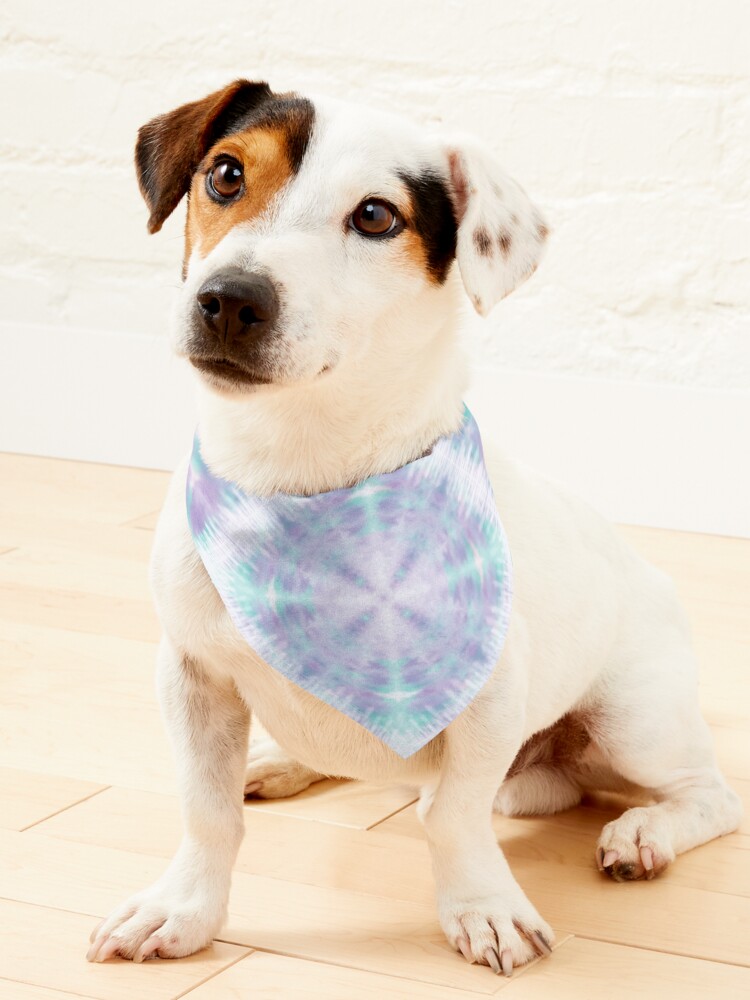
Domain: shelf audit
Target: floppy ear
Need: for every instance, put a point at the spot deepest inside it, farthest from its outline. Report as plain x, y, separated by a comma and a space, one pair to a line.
501, 234
170, 147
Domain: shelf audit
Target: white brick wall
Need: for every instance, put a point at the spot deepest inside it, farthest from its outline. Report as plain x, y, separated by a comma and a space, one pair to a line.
628, 121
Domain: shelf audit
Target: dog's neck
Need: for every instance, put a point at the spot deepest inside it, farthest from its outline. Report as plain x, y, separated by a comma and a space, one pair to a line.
339, 429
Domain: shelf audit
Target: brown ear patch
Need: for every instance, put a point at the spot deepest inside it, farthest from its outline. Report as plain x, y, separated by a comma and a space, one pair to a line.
170, 148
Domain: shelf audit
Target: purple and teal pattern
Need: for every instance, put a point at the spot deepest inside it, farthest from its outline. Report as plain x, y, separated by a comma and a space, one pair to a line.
389, 600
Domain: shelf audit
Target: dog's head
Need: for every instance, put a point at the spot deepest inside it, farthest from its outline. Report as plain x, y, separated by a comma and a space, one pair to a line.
311, 226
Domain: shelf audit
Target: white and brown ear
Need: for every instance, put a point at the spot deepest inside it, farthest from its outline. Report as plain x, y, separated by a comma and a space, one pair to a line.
501, 234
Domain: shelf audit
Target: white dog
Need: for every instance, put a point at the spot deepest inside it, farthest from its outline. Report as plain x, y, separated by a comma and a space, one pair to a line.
320, 307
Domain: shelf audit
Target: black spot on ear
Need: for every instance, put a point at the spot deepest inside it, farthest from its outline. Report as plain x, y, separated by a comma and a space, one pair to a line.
504, 241
433, 219
482, 242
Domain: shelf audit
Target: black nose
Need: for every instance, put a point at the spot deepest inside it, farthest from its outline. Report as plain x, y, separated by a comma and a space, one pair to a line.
233, 305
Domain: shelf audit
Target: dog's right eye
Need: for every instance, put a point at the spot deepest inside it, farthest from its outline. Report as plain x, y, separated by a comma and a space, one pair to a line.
224, 180
375, 217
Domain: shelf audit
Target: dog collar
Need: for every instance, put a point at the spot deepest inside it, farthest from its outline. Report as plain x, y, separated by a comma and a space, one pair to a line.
388, 600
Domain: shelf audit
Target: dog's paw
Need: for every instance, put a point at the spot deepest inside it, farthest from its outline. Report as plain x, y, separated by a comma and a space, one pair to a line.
272, 774
492, 931
636, 845
153, 925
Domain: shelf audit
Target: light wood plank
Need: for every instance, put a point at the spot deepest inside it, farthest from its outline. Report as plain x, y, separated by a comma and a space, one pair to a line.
79, 491
26, 991
70, 703
712, 566
76, 569
25, 528
147, 522
732, 751
45, 948
357, 804
583, 968
78, 611
276, 977
27, 798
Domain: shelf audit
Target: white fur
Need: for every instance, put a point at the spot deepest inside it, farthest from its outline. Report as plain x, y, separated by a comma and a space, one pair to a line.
593, 629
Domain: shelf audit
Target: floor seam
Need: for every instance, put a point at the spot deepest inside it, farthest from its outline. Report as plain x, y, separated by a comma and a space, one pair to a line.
71, 805
665, 951
219, 972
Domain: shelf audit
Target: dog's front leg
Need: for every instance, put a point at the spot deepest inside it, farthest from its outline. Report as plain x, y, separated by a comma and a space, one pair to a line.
183, 910
484, 912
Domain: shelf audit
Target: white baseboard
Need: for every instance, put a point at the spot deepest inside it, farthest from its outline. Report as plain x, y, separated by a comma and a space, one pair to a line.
658, 455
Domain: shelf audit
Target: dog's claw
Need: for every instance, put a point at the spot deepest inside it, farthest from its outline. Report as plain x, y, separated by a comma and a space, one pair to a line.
149, 949
493, 961
600, 858
254, 786
506, 963
609, 858
647, 860
463, 947
541, 943
107, 950
94, 949
95, 933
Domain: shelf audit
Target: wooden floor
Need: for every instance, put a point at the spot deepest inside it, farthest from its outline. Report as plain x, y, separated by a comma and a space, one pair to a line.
332, 895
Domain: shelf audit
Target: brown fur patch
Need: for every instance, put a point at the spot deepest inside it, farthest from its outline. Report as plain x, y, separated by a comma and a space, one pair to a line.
542, 231
482, 242
560, 745
264, 155
504, 241
412, 249
170, 147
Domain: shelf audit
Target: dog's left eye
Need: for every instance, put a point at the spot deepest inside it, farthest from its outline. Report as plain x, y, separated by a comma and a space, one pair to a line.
374, 217
224, 182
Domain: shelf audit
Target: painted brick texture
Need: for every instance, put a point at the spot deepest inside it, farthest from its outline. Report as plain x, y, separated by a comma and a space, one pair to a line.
629, 123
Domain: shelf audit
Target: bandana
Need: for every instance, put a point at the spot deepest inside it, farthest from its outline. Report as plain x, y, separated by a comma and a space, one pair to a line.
388, 600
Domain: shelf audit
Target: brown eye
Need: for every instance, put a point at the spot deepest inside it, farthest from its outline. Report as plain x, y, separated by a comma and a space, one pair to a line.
225, 180
374, 217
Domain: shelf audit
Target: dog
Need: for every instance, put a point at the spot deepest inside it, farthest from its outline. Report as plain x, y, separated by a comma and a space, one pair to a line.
319, 308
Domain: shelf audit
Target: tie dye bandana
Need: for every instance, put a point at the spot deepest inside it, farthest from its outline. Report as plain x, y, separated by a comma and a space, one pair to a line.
388, 600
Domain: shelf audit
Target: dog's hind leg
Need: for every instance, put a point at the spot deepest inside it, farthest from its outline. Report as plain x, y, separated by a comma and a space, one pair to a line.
541, 779
651, 732
272, 774
540, 790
